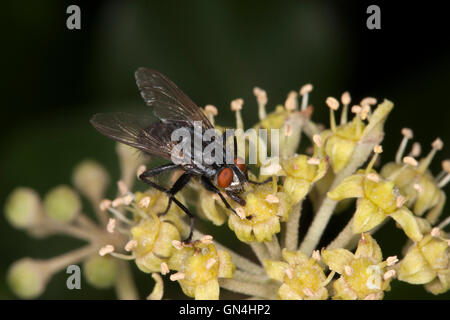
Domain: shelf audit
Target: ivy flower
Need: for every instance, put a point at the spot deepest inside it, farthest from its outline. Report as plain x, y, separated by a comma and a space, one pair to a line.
151, 239
415, 180
363, 274
427, 262
260, 218
301, 172
377, 199
340, 141
302, 278
199, 266
211, 207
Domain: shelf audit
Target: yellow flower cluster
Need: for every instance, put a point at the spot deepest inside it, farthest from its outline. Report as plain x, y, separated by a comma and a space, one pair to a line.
141, 228
260, 218
302, 278
377, 199
427, 262
363, 274
199, 266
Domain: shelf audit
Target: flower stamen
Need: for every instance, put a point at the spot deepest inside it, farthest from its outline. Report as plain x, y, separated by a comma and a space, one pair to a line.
407, 135
390, 261
400, 201
130, 245
436, 145
345, 99
333, 104
445, 176
210, 263
377, 150
291, 102
316, 255
211, 111
348, 270
389, 274
261, 98
177, 244
144, 203
111, 226
164, 268
416, 150
308, 292
236, 105
108, 249
105, 204
289, 272
304, 93
177, 276
206, 239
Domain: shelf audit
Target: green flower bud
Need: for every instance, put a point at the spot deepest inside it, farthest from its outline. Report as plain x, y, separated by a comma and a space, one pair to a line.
26, 278
62, 204
23, 208
100, 272
91, 179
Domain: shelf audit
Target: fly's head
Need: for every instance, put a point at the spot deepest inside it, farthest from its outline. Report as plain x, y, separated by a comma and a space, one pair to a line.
232, 177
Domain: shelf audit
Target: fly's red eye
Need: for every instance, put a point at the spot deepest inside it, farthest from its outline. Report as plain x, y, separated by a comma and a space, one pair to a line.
240, 164
225, 177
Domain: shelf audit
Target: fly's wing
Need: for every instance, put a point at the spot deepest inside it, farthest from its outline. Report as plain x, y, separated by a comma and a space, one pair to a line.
140, 132
167, 100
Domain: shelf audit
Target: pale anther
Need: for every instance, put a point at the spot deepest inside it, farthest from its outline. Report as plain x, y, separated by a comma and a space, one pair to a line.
111, 226
271, 198
209, 263
411, 161
177, 276
345, 98
106, 250
332, 103
237, 104
164, 268
130, 245
307, 88
390, 261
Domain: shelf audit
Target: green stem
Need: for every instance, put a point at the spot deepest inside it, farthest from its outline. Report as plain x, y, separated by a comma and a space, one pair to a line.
290, 234
273, 247
58, 263
125, 286
250, 289
260, 251
48, 227
249, 277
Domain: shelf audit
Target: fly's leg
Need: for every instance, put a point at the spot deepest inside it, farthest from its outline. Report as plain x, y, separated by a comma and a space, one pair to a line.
236, 198
210, 187
259, 183
191, 218
178, 185
145, 176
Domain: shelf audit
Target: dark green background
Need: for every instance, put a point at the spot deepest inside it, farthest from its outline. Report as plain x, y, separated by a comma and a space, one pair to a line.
54, 79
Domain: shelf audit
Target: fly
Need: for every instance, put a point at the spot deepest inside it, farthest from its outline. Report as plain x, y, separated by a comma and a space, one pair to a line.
173, 109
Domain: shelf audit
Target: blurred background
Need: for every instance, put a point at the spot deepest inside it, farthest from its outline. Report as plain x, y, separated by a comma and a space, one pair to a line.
55, 79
